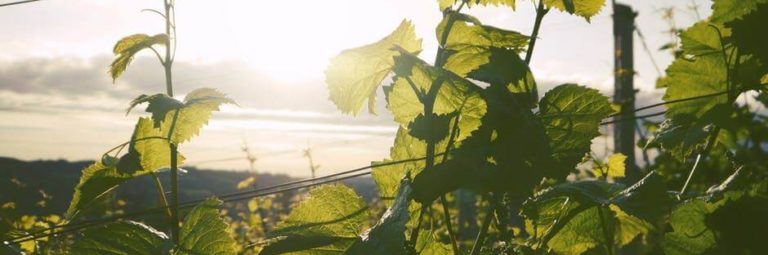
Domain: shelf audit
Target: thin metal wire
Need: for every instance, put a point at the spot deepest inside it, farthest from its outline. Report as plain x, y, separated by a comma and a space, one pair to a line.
17, 3
648, 51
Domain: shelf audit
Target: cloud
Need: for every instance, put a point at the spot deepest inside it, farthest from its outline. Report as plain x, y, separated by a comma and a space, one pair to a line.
87, 77
80, 87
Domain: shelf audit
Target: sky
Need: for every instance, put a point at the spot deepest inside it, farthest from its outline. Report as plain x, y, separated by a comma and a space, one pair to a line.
58, 102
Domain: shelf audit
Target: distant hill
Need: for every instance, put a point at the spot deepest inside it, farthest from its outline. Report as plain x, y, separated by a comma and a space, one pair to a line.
27, 183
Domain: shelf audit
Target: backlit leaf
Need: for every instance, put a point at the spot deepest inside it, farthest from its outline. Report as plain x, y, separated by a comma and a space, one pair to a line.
487, 54
575, 217
681, 137
430, 128
354, 75
429, 243
692, 78
466, 30
444, 4
297, 244
510, 146
128, 46
702, 39
151, 147
728, 10
571, 115
184, 123
689, 233
454, 96
504, 67
388, 235
329, 211
583, 8
148, 151
614, 168
95, 180
388, 177
159, 105
405, 147
204, 231
121, 238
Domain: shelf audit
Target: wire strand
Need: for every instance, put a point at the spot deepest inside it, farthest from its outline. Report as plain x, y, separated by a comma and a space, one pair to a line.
648, 51
17, 3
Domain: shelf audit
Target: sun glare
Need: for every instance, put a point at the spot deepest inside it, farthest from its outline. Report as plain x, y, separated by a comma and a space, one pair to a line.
289, 41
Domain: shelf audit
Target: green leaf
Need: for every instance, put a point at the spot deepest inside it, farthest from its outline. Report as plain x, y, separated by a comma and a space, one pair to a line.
205, 232
728, 10
432, 128
571, 115
750, 37
575, 217
583, 232
297, 244
454, 96
388, 177
465, 30
405, 147
681, 137
429, 244
150, 148
684, 135
387, 236
121, 238
689, 233
510, 146
702, 39
504, 67
728, 218
96, 180
583, 8
510, 3
486, 54
159, 105
354, 75
692, 78
588, 193
614, 168
148, 152
329, 211
182, 124
128, 46
647, 199
444, 4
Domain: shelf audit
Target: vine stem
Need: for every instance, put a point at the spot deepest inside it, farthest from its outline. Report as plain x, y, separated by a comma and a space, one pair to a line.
428, 100
540, 12
486, 223
168, 64
161, 191
443, 200
608, 245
